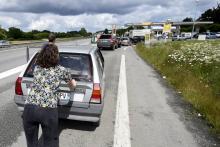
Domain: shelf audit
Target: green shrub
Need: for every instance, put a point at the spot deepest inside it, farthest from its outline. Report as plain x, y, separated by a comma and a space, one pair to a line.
193, 68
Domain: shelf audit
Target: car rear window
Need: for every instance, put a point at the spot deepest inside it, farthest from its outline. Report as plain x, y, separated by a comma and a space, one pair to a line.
80, 66
124, 38
105, 37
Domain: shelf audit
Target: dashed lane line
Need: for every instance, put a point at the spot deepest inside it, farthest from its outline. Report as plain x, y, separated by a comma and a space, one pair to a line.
8, 50
11, 72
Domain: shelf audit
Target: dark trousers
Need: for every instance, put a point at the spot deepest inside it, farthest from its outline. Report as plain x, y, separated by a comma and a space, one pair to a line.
34, 116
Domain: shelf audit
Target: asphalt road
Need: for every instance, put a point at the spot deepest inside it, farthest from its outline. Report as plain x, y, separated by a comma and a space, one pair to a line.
157, 117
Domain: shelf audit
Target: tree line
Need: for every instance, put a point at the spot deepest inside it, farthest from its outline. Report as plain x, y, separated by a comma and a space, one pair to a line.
212, 14
14, 33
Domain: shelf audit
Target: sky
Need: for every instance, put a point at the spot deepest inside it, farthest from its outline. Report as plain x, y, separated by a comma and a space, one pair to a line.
94, 15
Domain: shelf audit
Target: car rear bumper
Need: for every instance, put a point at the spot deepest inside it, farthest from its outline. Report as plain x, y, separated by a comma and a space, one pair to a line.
105, 45
125, 43
90, 114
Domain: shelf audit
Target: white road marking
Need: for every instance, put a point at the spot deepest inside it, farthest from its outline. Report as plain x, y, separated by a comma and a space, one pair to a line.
11, 71
8, 50
122, 128
125, 48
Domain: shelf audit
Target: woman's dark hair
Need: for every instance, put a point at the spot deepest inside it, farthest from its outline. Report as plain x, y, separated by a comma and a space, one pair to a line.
51, 37
48, 56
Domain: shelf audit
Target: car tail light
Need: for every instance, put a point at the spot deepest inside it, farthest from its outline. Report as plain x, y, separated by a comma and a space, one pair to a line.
18, 89
96, 94
111, 40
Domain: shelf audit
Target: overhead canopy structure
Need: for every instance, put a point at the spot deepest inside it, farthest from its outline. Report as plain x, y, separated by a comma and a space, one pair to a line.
173, 23
193, 23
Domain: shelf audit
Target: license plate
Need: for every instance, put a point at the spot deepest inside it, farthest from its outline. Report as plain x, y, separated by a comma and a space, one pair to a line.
78, 97
79, 94
64, 96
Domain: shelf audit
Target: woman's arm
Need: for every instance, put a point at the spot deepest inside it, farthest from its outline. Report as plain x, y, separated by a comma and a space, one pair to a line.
72, 84
67, 77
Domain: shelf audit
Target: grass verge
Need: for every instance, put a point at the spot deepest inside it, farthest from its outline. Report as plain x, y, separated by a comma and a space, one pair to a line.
193, 68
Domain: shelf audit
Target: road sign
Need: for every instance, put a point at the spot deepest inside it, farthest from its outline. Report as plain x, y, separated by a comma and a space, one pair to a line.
147, 23
167, 28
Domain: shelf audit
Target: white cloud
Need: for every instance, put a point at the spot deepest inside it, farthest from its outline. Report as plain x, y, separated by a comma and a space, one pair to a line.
55, 22
77, 7
9, 21
68, 15
44, 22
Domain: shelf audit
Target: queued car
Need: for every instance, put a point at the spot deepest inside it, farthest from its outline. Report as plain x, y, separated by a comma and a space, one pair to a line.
94, 39
86, 102
186, 35
183, 36
176, 37
137, 39
125, 41
218, 34
4, 43
119, 41
107, 41
211, 35
196, 36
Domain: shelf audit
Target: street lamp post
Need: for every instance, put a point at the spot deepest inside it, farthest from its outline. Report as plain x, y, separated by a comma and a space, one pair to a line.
197, 1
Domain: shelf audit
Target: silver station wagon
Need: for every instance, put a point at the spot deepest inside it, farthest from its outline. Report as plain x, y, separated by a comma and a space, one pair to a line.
86, 101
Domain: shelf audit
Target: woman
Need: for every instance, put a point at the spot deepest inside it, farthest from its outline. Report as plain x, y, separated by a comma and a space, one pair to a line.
41, 104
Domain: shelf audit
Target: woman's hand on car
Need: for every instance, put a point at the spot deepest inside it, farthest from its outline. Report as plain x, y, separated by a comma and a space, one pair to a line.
72, 84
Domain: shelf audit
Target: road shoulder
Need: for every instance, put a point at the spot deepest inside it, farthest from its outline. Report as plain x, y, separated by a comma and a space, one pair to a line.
157, 113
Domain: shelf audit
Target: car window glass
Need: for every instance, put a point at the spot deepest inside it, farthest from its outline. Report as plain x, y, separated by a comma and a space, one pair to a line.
105, 37
79, 65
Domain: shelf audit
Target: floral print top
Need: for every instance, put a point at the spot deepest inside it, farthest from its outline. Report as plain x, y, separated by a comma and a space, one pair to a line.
45, 84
